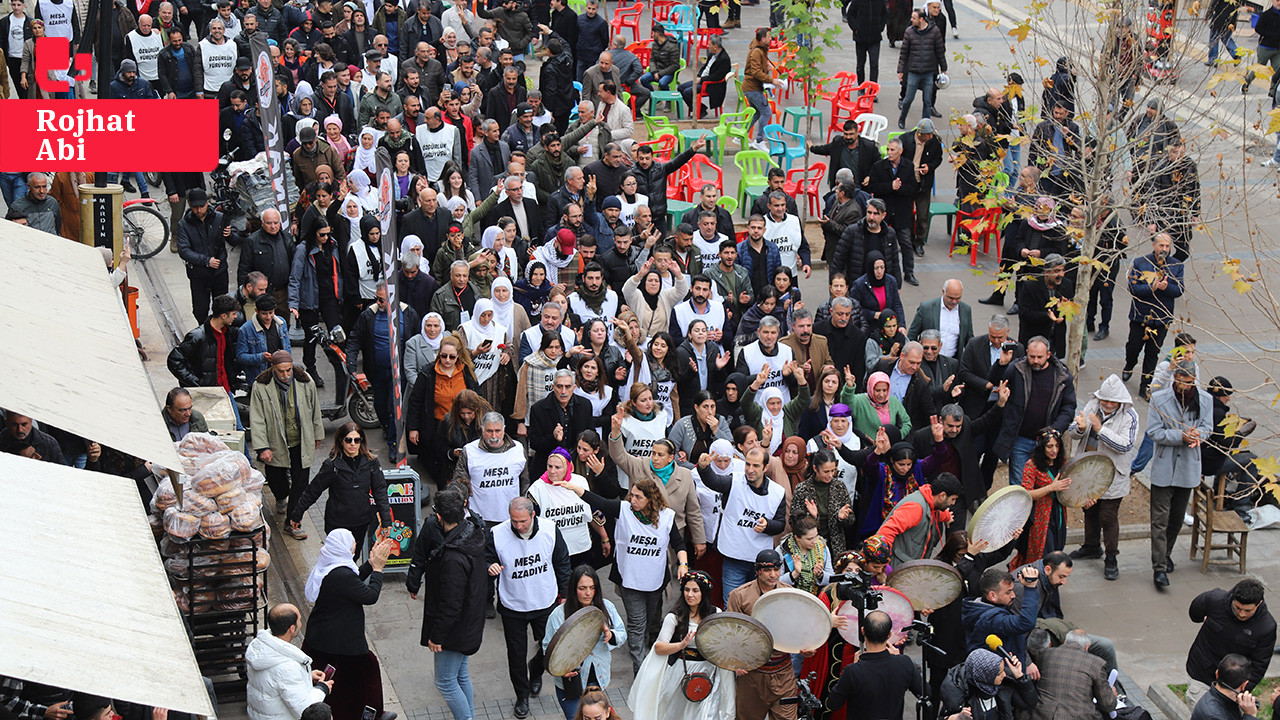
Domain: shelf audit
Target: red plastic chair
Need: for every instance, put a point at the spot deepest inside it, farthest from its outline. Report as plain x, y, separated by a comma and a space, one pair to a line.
627, 18
662, 10
678, 184
807, 181
702, 43
663, 148
982, 224
700, 169
842, 109
643, 51
847, 81
702, 93
866, 100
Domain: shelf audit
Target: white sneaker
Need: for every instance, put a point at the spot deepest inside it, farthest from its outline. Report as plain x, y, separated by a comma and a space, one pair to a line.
757, 145
955, 34
1269, 162
1188, 520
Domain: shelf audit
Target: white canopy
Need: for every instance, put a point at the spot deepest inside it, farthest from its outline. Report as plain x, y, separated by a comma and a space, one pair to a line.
68, 356
84, 600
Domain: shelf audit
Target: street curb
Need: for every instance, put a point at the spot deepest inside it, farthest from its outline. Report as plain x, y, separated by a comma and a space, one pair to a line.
1135, 696
1168, 702
1127, 532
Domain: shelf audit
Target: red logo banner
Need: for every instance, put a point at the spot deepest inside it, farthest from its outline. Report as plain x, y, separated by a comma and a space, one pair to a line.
100, 135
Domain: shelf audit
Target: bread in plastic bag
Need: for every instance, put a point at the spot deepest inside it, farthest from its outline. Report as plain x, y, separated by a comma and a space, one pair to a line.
215, 526
181, 524
245, 517
227, 470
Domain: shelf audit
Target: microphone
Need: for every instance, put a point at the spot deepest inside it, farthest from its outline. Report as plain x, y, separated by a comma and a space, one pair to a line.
994, 644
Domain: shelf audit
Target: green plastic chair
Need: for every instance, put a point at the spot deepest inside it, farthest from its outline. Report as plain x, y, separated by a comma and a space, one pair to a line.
728, 203
737, 83
884, 149
672, 96
754, 166
735, 125
691, 136
659, 125
676, 210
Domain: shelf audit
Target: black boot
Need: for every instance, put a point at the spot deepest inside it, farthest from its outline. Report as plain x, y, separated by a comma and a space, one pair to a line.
995, 298
1087, 552
1111, 570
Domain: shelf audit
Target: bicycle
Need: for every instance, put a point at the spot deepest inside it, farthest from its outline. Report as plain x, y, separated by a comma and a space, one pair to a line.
146, 230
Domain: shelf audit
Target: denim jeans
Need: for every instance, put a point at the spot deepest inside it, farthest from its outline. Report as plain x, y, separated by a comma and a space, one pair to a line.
1018, 456
1223, 38
664, 82
12, 186
140, 177
1146, 451
760, 104
1275, 156
924, 83
1012, 162
735, 574
454, 684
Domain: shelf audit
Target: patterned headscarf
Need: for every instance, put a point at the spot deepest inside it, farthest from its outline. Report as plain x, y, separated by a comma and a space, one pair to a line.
875, 549
982, 666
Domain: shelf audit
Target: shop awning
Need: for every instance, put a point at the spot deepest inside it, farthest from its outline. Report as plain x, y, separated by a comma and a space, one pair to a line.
68, 356
84, 600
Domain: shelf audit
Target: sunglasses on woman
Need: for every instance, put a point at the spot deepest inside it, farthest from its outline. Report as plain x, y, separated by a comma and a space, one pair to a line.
352, 440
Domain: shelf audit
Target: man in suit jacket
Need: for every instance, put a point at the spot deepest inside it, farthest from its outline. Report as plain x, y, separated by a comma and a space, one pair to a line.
807, 347
489, 158
556, 420
525, 211
983, 363
943, 371
957, 331
909, 384
1072, 681
962, 436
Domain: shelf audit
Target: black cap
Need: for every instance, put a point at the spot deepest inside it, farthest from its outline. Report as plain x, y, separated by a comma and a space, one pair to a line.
523, 109
307, 134
373, 54
243, 63
197, 197
766, 559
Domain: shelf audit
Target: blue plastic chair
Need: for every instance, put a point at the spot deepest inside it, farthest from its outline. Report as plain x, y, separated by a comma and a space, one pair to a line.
777, 137
573, 112
682, 24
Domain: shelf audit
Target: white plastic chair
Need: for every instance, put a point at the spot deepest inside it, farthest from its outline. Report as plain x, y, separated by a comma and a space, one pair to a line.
871, 125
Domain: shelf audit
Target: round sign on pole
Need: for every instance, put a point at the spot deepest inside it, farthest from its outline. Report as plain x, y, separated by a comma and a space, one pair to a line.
1091, 474
1001, 516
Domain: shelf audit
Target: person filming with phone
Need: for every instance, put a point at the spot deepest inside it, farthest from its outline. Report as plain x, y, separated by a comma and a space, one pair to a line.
281, 681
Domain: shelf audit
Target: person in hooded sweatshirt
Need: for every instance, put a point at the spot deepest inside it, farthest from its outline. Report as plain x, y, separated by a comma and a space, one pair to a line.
281, 681
1108, 424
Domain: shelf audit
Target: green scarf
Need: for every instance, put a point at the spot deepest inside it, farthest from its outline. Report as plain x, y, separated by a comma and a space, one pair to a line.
809, 562
665, 473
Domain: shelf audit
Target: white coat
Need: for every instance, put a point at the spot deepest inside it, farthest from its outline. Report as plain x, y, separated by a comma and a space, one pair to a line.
1119, 437
280, 685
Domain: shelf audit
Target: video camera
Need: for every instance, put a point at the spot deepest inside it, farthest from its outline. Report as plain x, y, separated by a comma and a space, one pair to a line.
855, 587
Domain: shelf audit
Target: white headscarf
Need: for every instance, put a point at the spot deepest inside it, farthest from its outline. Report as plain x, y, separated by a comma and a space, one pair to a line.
490, 234
454, 203
434, 344
504, 312
353, 223
366, 159
407, 256
335, 553
478, 333
766, 417
721, 448
363, 192
305, 123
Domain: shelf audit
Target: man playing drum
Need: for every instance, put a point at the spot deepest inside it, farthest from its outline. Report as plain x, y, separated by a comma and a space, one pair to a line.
761, 690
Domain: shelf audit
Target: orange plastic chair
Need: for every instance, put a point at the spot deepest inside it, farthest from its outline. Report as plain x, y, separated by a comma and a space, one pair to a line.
700, 173
643, 51
663, 148
627, 18
983, 224
807, 181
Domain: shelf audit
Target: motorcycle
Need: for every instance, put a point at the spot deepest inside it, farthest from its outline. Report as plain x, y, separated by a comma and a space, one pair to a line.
353, 391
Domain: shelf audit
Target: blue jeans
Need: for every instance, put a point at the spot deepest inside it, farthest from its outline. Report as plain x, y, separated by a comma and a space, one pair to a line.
141, 178
1275, 156
1223, 38
664, 82
1146, 451
1018, 456
567, 706
760, 104
454, 684
924, 83
12, 186
735, 574
1012, 162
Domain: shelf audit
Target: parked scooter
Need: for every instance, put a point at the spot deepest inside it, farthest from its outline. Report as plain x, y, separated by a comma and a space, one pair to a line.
353, 393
